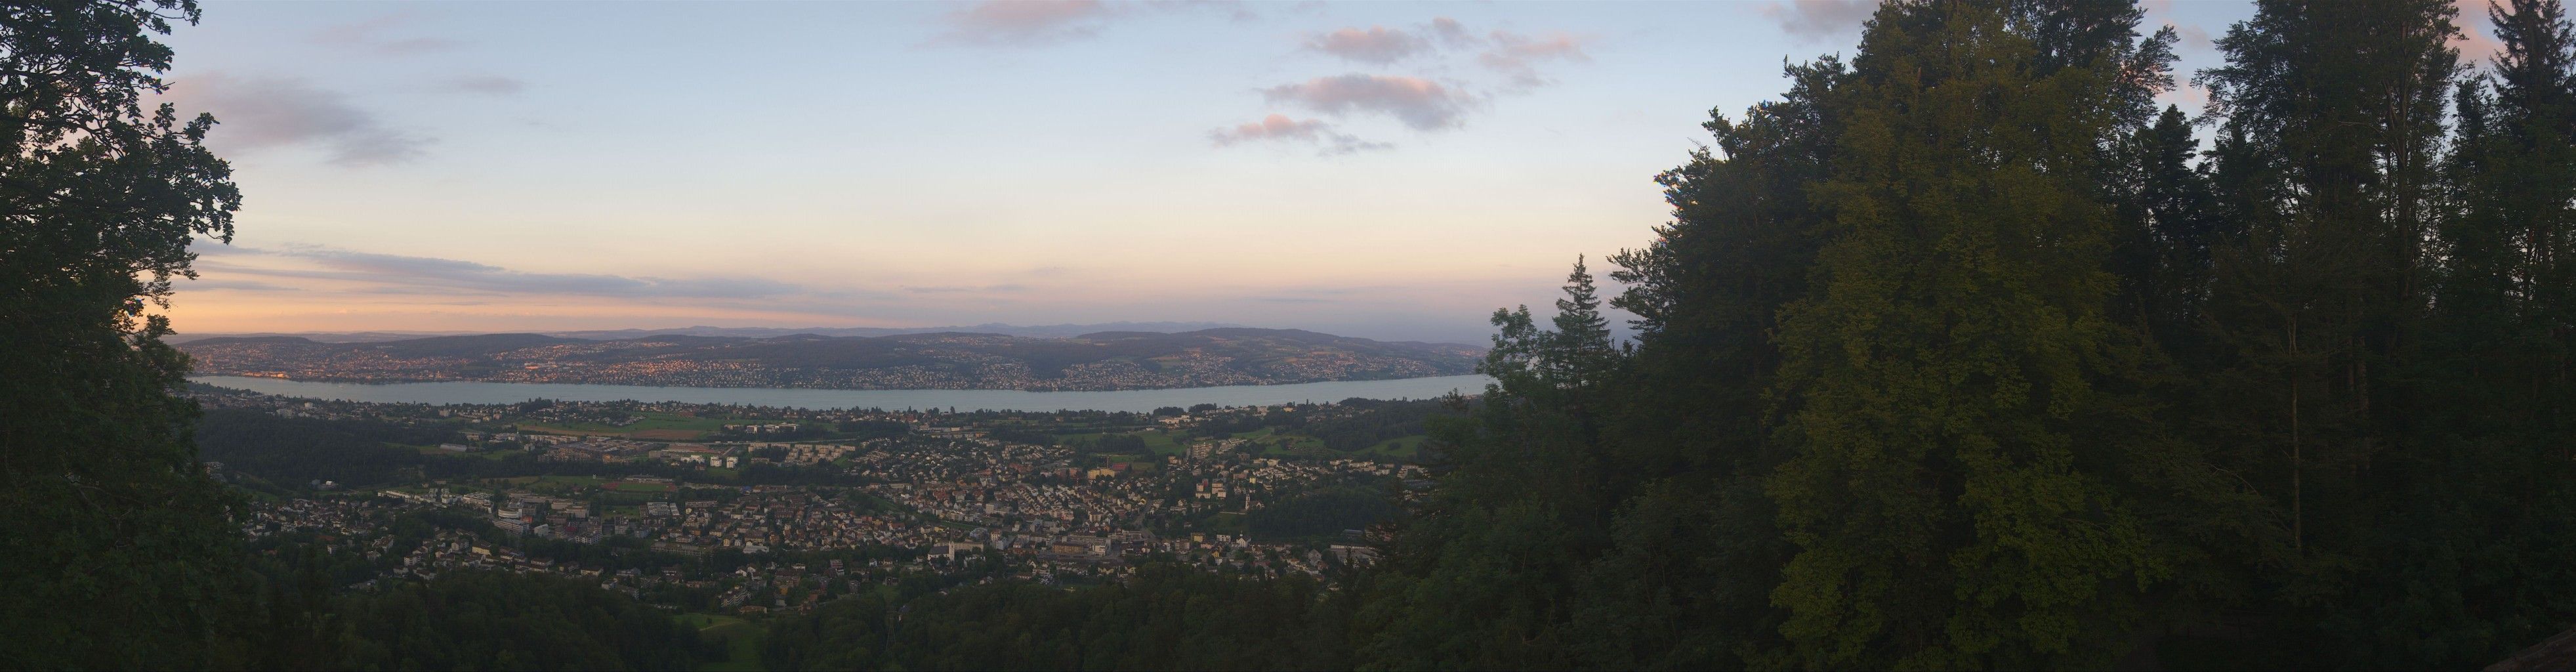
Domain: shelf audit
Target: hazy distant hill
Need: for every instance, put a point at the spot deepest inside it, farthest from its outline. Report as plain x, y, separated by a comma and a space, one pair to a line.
1033, 331
1106, 360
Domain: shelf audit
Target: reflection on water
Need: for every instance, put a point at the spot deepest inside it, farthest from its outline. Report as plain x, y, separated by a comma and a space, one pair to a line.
963, 400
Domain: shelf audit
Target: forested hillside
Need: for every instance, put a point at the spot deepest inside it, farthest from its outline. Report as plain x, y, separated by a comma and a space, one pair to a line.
1963, 354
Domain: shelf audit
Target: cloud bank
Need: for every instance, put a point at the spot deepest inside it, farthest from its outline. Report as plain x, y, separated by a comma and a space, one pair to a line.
401, 274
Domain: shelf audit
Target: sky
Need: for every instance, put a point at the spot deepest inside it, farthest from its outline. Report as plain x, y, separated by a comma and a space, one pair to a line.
1386, 170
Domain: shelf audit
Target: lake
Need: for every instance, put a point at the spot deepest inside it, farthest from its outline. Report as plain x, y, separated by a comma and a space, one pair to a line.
964, 400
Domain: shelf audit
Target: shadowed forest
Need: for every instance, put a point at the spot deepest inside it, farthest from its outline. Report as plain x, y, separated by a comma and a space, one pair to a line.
1961, 353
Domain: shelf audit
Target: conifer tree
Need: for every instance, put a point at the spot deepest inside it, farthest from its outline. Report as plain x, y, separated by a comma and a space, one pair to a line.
1518, 511
2341, 105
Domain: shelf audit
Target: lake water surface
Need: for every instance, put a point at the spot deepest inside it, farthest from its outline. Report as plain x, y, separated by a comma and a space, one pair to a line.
964, 400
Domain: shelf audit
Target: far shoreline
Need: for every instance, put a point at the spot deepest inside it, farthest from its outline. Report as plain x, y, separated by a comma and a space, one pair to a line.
1130, 400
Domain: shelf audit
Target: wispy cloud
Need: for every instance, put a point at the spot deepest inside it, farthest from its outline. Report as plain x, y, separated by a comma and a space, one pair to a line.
378, 273
271, 112
1278, 127
238, 285
1378, 45
1820, 20
369, 37
2478, 43
1422, 104
1517, 56
490, 85
2194, 37
1449, 31
965, 289
1025, 22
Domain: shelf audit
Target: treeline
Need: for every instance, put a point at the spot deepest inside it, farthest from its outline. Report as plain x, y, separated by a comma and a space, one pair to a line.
1377, 422
1373, 422
293, 451
1322, 513
1168, 617
280, 454
1962, 354
482, 620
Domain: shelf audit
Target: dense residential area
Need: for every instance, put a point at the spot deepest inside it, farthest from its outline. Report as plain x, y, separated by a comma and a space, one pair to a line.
867, 495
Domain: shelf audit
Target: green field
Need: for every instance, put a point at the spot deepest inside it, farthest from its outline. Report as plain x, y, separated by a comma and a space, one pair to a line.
554, 485
425, 450
1406, 448
1226, 523
622, 486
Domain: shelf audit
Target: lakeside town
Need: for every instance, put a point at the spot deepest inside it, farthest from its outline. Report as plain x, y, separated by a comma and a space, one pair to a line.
725, 509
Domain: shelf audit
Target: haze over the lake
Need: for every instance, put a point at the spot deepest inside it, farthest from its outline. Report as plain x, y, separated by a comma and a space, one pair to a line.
1384, 170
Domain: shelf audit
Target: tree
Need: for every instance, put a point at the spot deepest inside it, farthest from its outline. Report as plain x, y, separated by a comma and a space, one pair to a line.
1953, 492
1518, 510
122, 551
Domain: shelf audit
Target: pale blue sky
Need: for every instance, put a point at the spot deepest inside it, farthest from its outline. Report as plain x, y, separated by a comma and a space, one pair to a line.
509, 166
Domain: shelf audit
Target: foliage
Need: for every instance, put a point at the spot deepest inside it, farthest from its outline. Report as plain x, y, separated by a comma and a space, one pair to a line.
1166, 617
508, 621
1962, 355
294, 451
99, 199
1325, 512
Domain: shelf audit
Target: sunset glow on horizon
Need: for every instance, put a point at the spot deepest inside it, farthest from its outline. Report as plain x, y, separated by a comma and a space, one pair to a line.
1384, 170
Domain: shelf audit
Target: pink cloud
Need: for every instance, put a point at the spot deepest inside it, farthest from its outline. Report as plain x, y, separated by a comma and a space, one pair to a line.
1378, 45
1279, 127
1518, 55
1026, 22
2477, 40
1420, 103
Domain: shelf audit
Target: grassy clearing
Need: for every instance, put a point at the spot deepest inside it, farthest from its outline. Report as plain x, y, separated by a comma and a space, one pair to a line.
1226, 523
1404, 448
